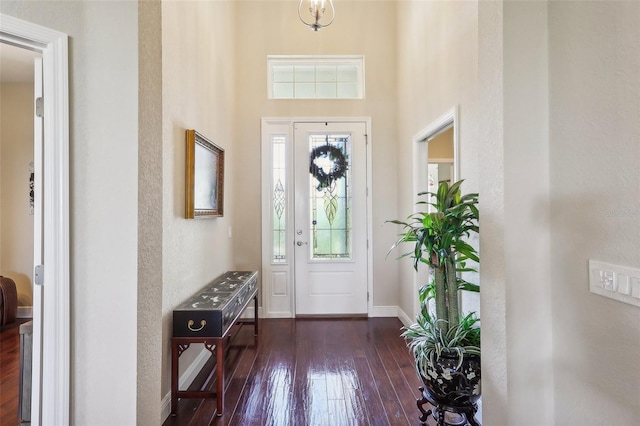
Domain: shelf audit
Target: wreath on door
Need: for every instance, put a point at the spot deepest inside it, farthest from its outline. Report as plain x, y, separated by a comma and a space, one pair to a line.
326, 179
338, 165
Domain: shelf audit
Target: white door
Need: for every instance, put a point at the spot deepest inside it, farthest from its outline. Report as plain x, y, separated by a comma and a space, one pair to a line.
330, 219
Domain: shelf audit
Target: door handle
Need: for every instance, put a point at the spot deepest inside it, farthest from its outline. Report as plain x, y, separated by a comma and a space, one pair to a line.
299, 243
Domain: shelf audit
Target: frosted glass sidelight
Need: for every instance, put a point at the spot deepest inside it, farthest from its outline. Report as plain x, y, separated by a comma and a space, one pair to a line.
278, 195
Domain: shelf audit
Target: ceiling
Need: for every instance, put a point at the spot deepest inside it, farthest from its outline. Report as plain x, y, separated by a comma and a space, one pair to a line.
16, 64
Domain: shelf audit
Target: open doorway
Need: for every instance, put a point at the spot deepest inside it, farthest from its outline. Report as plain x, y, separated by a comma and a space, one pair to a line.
435, 158
51, 330
17, 215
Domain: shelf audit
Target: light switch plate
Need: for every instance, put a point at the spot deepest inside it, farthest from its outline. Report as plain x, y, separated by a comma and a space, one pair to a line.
615, 282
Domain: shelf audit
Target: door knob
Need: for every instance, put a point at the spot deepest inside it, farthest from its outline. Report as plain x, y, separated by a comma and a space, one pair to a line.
299, 243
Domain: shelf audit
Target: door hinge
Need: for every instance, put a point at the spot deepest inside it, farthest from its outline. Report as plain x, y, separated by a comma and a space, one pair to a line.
38, 275
39, 107
367, 296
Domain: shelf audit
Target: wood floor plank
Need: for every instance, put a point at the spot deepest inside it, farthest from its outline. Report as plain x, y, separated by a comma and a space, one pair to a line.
376, 414
393, 408
10, 373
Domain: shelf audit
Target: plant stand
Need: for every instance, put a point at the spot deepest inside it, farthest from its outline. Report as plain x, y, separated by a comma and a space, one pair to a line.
468, 411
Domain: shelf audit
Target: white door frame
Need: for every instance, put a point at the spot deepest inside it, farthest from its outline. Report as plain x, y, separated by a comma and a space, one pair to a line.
282, 276
420, 176
51, 334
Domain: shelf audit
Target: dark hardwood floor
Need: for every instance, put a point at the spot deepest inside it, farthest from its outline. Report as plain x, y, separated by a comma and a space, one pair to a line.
313, 372
302, 372
10, 373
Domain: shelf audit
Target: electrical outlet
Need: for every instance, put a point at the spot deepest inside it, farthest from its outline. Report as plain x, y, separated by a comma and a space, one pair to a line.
615, 282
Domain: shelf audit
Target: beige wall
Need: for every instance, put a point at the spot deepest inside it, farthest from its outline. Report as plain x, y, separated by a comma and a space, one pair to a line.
594, 137
273, 28
437, 70
16, 152
150, 207
441, 146
197, 93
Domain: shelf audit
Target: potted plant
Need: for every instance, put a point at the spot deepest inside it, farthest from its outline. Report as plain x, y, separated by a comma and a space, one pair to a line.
445, 344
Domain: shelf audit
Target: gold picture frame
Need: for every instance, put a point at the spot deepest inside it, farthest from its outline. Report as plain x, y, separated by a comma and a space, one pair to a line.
205, 177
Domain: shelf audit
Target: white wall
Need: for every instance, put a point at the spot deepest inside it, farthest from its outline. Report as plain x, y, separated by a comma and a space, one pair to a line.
16, 152
526, 213
594, 78
491, 157
103, 152
559, 109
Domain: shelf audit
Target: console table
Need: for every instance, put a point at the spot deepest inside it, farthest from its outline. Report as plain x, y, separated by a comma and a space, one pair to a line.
207, 317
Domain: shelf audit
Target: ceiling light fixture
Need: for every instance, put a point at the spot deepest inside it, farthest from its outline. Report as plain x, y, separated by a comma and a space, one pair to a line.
316, 10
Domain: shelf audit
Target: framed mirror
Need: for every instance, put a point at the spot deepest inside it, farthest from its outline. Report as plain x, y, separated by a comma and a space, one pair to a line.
204, 177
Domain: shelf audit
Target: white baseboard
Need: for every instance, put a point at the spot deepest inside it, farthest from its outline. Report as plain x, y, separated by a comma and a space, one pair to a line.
279, 315
248, 312
185, 380
404, 318
383, 311
25, 312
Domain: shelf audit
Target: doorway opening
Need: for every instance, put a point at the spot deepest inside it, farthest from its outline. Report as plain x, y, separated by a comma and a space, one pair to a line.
435, 158
51, 330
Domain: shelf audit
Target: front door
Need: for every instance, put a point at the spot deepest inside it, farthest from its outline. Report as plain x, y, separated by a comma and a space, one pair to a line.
330, 218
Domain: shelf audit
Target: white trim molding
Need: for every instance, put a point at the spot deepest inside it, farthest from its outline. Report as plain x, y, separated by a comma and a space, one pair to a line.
51, 391
404, 318
384, 312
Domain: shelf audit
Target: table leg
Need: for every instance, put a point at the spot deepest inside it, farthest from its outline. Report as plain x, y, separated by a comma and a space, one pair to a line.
174, 377
220, 376
255, 315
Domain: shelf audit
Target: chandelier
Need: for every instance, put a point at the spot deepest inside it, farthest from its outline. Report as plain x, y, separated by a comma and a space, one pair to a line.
316, 9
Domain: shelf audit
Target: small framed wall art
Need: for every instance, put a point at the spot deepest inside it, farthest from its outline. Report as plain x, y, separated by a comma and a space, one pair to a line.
205, 177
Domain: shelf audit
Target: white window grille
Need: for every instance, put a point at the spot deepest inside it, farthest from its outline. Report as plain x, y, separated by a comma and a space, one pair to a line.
315, 77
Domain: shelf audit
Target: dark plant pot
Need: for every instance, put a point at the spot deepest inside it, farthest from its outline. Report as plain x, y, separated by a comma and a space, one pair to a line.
450, 386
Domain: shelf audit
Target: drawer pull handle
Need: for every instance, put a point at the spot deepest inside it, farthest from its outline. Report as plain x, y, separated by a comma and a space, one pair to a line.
190, 324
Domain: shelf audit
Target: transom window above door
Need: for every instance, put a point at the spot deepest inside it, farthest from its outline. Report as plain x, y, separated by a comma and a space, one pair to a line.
315, 77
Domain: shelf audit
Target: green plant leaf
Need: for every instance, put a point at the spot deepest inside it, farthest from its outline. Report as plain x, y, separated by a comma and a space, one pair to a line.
435, 237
